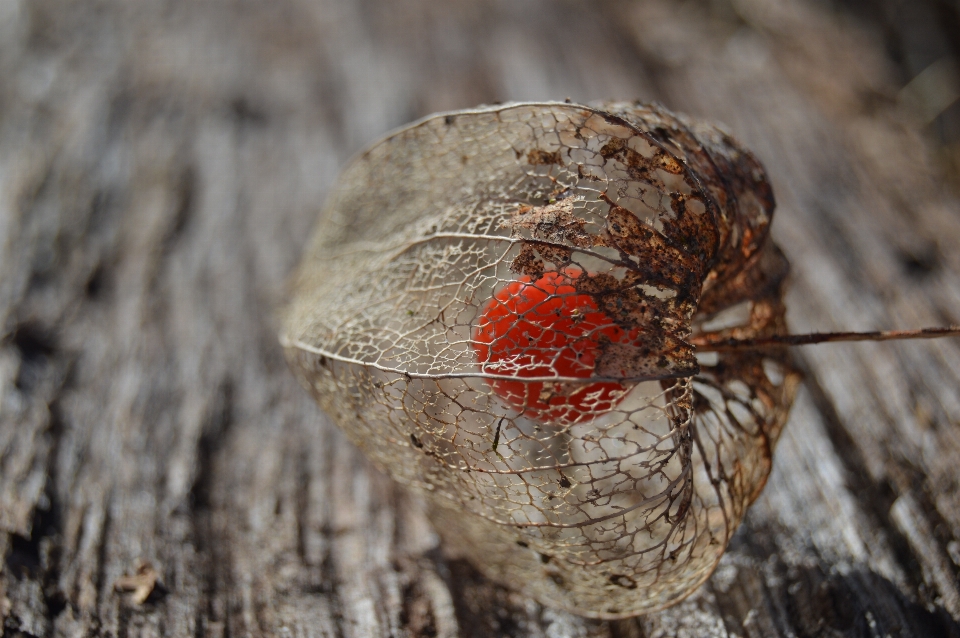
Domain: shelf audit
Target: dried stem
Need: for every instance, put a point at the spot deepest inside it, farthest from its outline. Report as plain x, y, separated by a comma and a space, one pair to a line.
721, 345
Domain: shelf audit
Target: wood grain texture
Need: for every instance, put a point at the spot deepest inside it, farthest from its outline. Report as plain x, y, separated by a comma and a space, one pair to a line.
160, 167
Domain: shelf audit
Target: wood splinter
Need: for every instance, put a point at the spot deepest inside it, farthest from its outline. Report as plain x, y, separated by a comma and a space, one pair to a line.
141, 585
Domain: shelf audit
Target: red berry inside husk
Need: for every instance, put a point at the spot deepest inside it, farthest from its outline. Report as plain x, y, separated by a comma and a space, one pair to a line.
544, 328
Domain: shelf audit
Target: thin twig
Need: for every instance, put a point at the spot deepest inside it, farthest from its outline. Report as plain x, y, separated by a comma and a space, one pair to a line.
721, 345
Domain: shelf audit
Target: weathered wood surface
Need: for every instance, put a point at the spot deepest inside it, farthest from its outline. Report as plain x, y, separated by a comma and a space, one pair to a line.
160, 166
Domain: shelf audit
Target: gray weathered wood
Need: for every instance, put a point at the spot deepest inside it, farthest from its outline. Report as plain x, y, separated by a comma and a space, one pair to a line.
160, 166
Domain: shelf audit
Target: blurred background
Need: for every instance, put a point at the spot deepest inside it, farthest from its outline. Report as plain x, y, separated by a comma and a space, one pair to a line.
161, 165
921, 39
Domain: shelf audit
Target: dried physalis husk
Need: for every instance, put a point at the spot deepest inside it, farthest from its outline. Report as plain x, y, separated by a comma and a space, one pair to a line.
498, 307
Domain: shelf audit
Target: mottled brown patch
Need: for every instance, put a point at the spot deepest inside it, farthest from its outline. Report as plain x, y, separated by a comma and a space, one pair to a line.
554, 222
741, 198
762, 277
668, 163
612, 147
638, 166
558, 255
664, 358
658, 258
540, 157
657, 326
528, 262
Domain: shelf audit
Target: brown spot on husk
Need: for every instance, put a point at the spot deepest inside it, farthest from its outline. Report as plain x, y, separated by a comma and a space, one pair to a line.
540, 157
554, 222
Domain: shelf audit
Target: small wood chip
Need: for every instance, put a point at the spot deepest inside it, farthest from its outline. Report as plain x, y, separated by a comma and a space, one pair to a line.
141, 584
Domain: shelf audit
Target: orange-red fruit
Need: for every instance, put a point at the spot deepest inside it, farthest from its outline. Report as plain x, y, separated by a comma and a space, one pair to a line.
545, 328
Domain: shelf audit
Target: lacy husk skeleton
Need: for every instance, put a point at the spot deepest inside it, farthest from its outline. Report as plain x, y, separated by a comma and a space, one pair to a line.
612, 489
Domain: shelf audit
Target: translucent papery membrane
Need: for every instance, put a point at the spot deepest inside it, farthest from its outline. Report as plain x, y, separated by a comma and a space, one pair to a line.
614, 516
495, 308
